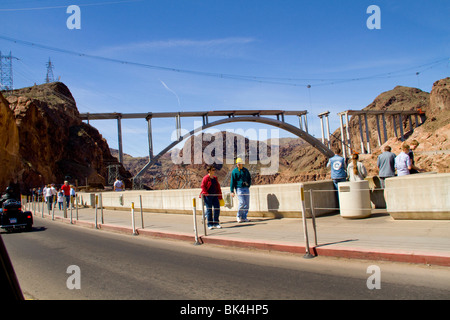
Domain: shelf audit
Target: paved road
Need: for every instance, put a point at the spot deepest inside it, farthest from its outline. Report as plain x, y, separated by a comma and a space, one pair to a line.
116, 266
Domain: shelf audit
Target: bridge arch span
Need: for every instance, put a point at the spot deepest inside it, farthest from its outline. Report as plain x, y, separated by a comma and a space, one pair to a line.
272, 122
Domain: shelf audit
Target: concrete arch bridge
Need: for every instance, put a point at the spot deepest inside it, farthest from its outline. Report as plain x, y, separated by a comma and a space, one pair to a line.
275, 118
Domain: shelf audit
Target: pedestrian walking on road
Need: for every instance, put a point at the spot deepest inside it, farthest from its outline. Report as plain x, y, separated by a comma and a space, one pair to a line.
386, 165
66, 189
119, 185
61, 200
241, 181
50, 194
212, 194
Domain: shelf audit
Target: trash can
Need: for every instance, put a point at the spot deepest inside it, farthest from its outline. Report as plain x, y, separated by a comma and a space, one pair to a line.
354, 199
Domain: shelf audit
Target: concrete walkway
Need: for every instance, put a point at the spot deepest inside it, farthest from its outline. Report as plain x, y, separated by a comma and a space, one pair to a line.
378, 237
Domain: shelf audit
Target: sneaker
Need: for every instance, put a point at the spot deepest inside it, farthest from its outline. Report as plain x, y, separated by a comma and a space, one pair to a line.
210, 227
238, 220
218, 226
245, 220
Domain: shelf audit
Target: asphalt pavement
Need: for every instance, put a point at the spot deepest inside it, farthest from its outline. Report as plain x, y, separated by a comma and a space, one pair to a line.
378, 237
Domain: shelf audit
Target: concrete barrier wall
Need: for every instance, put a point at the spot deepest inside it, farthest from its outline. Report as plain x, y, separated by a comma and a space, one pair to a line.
276, 200
419, 196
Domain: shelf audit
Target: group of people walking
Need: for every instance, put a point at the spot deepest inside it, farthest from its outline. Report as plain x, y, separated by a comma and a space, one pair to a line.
389, 165
53, 196
240, 183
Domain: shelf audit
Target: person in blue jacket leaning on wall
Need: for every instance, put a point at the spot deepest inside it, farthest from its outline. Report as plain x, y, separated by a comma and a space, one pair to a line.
338, 172
241, 181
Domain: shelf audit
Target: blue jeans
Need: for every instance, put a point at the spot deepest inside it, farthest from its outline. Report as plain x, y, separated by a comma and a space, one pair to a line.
243, 195
336, 181
212, 204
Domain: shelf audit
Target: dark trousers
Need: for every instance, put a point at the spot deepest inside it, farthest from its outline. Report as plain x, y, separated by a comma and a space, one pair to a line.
212, 205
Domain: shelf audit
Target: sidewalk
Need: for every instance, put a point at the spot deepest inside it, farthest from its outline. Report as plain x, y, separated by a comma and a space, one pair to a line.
378, 237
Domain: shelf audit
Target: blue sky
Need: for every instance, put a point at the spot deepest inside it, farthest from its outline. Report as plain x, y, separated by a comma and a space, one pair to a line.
280, 47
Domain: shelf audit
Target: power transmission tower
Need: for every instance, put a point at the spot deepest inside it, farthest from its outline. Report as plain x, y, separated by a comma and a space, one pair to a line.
6, 71
49, 78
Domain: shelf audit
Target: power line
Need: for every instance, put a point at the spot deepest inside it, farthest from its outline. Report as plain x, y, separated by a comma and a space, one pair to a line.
59, 7
267, 80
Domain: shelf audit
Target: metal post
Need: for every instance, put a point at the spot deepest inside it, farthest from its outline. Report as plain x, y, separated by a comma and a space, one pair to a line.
132, 219
101, 207
313, 215
76, 205
142, 213
65, 206
194, 210
203, 214
53, 209
71, 209
96, 211
308, 254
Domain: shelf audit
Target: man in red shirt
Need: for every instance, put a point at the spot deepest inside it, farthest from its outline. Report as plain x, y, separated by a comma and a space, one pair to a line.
66, 189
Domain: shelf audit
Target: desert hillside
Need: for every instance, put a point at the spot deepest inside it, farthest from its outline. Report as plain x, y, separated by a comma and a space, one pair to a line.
44, 140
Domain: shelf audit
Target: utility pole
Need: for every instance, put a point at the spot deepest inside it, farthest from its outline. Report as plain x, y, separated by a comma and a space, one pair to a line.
49, 78
6, 71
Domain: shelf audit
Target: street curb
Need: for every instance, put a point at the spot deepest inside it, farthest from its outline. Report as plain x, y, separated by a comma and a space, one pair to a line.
427, 258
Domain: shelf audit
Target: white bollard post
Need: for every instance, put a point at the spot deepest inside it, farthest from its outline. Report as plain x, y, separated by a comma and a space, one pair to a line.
132, 220
194, 209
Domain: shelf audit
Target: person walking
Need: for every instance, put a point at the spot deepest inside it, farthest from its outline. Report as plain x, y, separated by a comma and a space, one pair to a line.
61, 200
66, 189
50, 193
119, 185
356, 170
403, 161
212, 194
338, 173
386, 165
240, 182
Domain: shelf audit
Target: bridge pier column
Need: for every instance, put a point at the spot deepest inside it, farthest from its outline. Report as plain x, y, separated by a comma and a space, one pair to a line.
367, 133
321, 115
119, 134
150, 136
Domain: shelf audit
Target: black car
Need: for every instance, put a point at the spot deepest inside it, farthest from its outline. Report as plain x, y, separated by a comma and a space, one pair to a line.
12, 217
